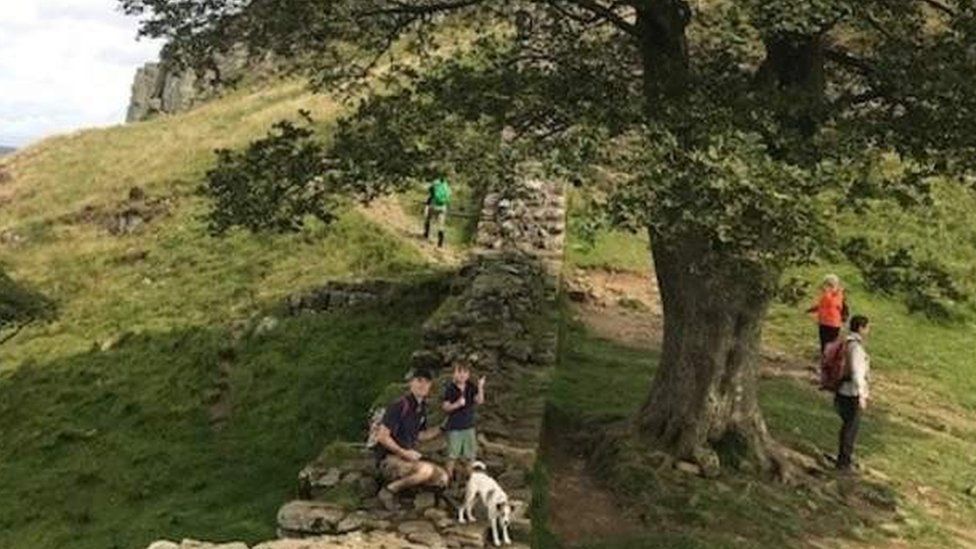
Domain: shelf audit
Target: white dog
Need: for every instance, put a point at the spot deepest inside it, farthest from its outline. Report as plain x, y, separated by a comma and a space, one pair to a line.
481, 486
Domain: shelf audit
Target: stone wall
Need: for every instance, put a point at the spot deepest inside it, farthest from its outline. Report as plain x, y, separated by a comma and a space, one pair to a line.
502, 315
162, 88
336, 295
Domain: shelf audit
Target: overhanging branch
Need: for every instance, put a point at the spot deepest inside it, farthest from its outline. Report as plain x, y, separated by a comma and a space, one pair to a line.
608, 13
939, 6
400, 7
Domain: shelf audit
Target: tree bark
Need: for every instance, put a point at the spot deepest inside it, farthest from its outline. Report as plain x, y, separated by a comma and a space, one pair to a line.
664, 49
703, 404
794, 71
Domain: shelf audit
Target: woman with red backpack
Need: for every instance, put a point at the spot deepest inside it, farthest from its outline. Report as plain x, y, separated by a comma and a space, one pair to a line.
851, 398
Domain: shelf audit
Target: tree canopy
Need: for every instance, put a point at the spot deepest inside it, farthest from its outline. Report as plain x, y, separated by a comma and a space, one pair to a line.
732, 132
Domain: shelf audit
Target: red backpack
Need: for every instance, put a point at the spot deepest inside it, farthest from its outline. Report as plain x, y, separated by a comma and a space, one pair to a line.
833, 365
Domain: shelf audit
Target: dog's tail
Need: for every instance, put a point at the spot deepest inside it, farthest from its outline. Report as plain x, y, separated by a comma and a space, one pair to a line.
479, 466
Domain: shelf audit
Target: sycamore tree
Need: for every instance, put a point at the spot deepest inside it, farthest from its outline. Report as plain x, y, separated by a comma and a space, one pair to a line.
731, 131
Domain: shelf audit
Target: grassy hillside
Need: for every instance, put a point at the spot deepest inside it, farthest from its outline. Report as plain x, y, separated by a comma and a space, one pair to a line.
186, 428
168, 274
917, 439
116, 449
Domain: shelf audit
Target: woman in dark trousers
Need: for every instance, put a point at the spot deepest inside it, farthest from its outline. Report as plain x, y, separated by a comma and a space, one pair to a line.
852, 395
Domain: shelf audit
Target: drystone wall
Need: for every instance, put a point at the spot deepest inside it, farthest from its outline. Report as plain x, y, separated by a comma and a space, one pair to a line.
501, 315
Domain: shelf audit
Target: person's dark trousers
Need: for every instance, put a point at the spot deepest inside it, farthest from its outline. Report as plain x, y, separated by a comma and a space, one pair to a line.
849, 409
827, 334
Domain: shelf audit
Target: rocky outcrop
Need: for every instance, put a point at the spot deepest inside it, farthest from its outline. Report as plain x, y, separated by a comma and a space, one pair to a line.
163, 87
125, 217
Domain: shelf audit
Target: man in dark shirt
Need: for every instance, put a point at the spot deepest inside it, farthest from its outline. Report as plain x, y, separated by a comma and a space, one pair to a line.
460, 399
404, 425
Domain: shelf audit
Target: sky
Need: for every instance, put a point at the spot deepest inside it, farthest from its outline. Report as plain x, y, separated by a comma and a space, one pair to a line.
65, 65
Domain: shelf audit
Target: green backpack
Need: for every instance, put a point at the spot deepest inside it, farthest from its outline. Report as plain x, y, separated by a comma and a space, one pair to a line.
441, 193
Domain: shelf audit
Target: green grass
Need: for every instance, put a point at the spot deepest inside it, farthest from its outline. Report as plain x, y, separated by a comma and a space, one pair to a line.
180, 276
920, 431
115, 449
610, 249
680, 511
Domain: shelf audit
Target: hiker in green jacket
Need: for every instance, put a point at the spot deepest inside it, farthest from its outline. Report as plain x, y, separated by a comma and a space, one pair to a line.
438, 197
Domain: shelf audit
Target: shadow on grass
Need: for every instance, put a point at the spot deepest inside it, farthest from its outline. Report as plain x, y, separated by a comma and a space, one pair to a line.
599, 384
116, 449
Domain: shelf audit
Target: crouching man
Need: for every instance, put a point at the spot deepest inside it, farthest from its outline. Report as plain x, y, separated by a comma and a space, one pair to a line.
404, 425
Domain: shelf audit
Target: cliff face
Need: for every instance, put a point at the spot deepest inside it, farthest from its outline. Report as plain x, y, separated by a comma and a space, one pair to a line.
161, 87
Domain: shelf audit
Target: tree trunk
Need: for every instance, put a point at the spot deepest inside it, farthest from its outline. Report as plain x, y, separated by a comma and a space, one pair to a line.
794, 71
703, 404
664, 50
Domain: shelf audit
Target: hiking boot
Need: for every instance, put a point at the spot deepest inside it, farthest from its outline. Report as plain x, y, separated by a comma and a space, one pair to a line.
440, 239
388, 499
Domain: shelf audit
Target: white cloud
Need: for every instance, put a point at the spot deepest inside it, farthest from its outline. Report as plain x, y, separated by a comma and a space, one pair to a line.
64, 65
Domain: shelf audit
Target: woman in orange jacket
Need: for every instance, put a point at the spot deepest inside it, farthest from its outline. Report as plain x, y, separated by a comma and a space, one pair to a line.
830, 309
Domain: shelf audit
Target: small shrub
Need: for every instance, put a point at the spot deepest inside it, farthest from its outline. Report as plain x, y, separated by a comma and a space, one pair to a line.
793, 290
20, 305
926, 285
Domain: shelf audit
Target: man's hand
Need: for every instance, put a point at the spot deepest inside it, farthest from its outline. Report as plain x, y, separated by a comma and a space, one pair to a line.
412, 455
863, 402
459, 403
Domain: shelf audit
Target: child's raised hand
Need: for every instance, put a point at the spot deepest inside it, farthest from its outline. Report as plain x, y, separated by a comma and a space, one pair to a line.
481, 381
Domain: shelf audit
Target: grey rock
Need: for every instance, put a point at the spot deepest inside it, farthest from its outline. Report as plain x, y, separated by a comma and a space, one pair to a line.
424, 501
267, 325
434, 514
354, 521
427, 539
415, 527
145, 87
688, 468
330, 478
512, 479
310, 517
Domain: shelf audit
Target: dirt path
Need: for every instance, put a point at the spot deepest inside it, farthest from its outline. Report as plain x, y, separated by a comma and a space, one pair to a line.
580, 509
387, 212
